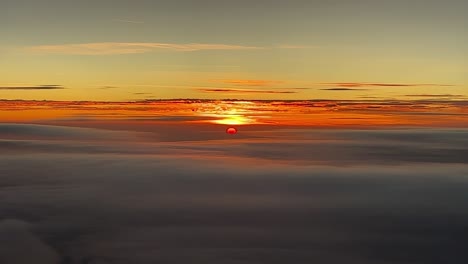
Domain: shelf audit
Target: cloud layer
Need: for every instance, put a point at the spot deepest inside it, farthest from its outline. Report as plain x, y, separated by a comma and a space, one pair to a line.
164, 195
423, 112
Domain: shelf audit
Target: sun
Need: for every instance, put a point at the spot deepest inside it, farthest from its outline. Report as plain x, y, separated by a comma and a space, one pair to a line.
231, 130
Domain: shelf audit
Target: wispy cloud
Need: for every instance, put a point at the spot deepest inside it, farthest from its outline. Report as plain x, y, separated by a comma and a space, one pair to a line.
110, 48
108, 87
128, 21
250, 82
342, 89
296, 46
34, 87
437, 95
366, 84
222, 90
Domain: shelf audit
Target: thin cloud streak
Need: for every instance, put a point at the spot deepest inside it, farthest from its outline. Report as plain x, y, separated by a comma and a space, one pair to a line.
342, 89
108, 87
128, 21
34, 87
142, 93
245, 91
250, 82
296, 47
113, 48
364, 84
436, 95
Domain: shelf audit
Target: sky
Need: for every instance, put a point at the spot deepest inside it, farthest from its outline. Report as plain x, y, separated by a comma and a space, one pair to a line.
133, 50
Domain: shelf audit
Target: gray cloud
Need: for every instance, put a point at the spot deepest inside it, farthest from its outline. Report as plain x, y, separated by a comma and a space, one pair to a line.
301, 145
267, 196
19, 246
49, 132
34, 87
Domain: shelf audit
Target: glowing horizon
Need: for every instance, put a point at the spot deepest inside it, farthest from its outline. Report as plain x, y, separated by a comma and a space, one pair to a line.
317, 113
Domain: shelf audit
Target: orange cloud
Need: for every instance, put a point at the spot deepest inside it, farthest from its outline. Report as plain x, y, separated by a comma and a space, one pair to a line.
223, 90
250, 82
320, 113
364, 84
437, 95
342, 89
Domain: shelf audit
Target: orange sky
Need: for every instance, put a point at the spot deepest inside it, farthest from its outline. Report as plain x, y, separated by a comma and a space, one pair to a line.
319, 113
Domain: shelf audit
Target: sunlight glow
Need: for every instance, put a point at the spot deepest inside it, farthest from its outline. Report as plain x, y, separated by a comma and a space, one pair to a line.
234, 120
450, 113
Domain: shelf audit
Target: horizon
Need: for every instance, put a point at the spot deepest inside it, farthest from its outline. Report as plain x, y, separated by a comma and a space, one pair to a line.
314, 113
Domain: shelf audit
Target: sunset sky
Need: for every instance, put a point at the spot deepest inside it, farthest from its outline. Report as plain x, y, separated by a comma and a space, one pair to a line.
351, 120
129, 50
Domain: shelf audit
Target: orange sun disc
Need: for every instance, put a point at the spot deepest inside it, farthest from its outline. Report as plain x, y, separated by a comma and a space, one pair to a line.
231, 130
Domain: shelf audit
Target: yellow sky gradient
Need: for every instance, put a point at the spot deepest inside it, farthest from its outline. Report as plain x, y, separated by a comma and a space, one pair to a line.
297, 50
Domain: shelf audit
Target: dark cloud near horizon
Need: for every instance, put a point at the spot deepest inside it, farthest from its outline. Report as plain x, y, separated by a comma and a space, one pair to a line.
342, 89
366, 84
279, 145
36, 87
271, 196
437, 95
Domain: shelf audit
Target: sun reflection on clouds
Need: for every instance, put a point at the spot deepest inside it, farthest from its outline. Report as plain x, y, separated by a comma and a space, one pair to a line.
234, 120
230, 113
317, 113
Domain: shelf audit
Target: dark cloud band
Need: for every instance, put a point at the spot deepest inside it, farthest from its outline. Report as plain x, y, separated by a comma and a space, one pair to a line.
34, 87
